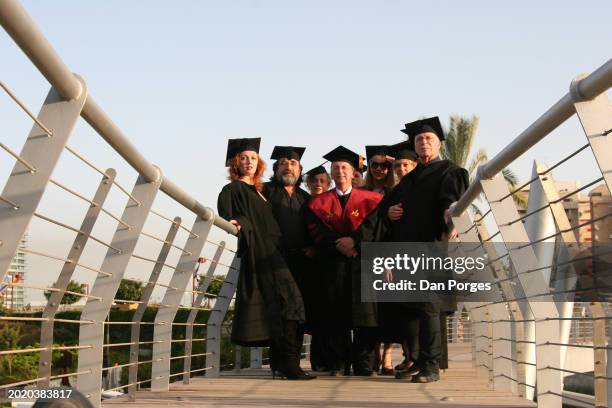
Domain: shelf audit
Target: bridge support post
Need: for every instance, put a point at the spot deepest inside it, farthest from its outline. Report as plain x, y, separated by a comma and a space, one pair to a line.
194, 312
549, 383
142, 307
76, 250
162, 334
215, 320
597, 309
26, 184
596, 121
256, 357
105, 288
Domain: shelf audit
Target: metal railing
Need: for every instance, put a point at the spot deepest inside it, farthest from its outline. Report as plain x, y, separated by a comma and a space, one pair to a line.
183, 338
527, 342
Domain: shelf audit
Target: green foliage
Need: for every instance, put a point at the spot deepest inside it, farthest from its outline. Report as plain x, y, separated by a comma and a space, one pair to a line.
129, 290
457, 148
9, 339
215, 285
24, 334
69, 298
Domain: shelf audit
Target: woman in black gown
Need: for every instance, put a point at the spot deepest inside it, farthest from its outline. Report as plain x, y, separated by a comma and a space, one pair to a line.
269, 306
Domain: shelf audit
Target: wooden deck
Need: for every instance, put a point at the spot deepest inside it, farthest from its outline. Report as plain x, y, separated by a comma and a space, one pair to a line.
458, 387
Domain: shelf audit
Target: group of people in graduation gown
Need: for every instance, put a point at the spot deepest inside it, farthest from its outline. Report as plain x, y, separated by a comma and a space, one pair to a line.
300, 255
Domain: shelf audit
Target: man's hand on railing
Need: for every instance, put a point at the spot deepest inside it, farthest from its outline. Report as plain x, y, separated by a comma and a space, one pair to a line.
235, 223
452, 234
395, 212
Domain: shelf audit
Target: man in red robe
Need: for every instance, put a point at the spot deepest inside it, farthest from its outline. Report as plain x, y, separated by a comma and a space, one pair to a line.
338, 220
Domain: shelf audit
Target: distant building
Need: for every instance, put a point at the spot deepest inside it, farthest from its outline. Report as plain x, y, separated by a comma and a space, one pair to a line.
577, 207
15, 297
601, 205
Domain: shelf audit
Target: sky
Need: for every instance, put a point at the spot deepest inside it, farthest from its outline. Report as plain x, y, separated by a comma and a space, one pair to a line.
180, 78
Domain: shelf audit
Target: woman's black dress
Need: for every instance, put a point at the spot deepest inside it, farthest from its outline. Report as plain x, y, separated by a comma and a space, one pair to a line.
267, 295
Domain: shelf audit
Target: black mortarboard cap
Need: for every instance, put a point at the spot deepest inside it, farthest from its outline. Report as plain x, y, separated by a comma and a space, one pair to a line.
235, 146
403, 150
316, 171
424, 125
376, 150
341, 153
289, 152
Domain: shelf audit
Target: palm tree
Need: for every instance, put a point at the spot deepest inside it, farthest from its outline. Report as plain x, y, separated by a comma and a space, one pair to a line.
457, 146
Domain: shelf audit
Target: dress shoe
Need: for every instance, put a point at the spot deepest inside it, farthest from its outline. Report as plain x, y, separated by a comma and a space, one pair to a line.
426, 377
387, 371
278, 375
407, 374
365, 373
403, 365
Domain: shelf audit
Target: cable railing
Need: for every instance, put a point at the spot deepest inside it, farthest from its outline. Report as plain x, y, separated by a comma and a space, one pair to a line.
529, 342
179, 333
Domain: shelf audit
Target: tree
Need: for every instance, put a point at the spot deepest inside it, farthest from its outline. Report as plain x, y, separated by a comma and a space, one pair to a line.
69, 298
457, 148
214, 287
9, 340
129, 290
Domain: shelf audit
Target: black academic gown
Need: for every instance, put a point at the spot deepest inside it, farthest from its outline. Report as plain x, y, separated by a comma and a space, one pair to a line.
425, 193
290, 214
266, 295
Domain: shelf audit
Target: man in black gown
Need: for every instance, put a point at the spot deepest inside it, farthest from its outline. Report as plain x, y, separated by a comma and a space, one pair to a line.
418, 211
289, 202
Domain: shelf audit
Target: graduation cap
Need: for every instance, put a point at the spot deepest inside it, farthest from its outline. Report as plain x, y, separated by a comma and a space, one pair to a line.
235, 146
289, 152
341, 153
403, 150
424, 125
316, 171
375, 151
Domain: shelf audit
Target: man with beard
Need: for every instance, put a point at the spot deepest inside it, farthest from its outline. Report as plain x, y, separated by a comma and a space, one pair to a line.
338, 220
288, 203
418, 211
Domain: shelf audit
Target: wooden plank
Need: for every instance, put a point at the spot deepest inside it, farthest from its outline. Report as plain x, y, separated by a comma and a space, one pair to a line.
459, 387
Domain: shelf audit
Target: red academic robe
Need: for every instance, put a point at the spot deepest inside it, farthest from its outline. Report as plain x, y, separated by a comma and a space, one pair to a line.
339, 276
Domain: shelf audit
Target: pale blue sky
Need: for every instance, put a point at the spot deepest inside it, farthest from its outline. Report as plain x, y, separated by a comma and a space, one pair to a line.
180, 78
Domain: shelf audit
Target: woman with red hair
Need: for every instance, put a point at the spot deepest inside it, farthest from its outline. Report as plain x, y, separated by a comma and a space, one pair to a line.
269, 305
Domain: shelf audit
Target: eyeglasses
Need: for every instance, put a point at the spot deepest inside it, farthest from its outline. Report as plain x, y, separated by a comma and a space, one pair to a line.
379, 165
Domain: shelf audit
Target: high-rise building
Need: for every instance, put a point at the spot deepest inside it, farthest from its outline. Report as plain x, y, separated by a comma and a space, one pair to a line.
577, 207
601, 205
14, 297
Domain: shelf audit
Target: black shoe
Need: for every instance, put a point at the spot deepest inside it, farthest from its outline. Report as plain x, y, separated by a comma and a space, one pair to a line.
319, 368
426, 377
297, 374
365, 373
387, 371
278, 375
407, 374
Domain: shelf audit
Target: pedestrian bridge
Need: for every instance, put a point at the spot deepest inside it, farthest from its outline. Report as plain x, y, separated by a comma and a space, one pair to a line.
171, 343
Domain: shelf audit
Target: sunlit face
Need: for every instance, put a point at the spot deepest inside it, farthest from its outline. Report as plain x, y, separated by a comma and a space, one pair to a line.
288, 170
318, 184
401, 167
379, 167
342, 173
427, 145
248, 163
